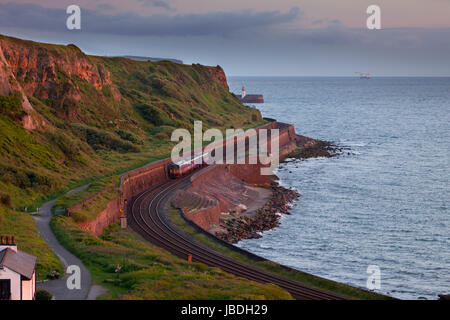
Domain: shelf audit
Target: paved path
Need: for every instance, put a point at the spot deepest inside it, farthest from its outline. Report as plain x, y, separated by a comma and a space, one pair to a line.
96, 291
59, 287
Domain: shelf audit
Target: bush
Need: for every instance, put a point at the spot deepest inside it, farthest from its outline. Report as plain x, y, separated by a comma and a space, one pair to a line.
125, 135
151, 114
99, 139
53, 275
25, 179
42, 294
11, 106
66, 144
5, 199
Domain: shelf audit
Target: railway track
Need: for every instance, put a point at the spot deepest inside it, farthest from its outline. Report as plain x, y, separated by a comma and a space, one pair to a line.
145, 215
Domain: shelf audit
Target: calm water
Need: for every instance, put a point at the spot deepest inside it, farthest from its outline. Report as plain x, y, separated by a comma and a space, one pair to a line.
385, 204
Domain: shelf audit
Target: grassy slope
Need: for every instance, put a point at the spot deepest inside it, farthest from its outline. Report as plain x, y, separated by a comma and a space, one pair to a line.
148, 272
111, 137
23, 227
71, 199
305, 278
97, 136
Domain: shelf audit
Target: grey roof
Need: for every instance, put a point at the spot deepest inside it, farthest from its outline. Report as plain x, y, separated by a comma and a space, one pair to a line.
20, 262
2, 254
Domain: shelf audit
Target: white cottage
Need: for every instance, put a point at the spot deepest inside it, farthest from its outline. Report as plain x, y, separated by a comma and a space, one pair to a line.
17, 271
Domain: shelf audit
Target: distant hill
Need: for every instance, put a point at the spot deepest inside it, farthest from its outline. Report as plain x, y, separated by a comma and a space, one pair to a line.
137, 58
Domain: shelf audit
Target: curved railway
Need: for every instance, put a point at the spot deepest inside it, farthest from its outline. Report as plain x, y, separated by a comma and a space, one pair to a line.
145, 215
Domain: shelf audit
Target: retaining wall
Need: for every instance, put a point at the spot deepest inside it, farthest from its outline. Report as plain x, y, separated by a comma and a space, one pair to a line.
138, 180
105, 218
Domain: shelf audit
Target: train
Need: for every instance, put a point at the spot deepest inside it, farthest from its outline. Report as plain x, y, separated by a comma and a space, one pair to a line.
186, 165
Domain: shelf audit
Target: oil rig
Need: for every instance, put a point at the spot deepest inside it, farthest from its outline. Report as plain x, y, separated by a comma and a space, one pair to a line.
363, 75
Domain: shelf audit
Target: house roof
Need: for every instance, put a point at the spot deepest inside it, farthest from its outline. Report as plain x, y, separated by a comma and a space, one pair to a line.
20, 262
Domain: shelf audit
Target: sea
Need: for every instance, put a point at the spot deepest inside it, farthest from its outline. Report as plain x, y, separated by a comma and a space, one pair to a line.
383, 204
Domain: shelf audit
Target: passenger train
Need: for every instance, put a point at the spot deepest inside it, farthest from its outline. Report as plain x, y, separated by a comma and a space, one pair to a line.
186, 165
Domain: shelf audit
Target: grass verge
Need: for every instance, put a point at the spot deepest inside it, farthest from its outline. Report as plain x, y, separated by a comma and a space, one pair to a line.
29, 240
344, 290
148, 272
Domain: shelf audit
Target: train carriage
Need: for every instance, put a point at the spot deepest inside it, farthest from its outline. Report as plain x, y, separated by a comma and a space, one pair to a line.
186, 165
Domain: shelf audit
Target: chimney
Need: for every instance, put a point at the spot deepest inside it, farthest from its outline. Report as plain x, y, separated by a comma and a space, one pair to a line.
8, 242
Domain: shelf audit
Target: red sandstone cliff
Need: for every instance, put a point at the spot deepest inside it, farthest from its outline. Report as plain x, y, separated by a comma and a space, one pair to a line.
86, 89
37, 68
8, 83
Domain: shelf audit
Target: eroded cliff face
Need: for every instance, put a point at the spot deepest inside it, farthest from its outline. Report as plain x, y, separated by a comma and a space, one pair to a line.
5, 87
37, 68
217, 74
8, 83
49, 73
91, 89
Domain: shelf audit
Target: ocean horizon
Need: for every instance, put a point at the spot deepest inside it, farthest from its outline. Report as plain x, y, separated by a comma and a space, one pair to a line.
384, 201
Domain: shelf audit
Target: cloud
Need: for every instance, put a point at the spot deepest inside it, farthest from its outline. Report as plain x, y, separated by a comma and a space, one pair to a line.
32, 16
239, 25
327, 22
156, 3
244, 40
105, 7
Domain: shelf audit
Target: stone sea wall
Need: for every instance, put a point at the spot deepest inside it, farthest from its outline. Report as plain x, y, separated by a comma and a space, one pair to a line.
248, 173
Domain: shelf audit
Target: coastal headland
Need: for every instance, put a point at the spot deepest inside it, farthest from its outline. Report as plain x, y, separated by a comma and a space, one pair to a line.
70, 120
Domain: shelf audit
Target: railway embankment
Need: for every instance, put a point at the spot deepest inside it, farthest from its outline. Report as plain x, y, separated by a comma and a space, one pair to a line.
235, 202
235, 192
131, 184
231, 206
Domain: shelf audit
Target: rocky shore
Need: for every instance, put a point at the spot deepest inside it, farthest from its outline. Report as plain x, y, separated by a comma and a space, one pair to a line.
249, 226
312, 148
235, 227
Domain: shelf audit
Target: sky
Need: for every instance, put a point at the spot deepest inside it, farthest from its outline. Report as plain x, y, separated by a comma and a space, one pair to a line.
251, 37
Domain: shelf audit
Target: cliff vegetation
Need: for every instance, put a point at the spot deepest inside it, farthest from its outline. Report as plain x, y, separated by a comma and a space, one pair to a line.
68, 119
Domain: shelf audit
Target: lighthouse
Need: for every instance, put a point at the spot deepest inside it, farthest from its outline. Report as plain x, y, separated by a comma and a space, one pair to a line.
251, 98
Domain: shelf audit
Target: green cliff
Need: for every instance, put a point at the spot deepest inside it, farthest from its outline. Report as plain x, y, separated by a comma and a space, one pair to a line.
67, 119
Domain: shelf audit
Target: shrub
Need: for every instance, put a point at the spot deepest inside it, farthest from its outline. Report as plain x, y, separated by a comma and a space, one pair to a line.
162, 136
25, 179
42, 294
53, 275
99, 139
66, 144
151, 114
5, 199
125, 135
11, 106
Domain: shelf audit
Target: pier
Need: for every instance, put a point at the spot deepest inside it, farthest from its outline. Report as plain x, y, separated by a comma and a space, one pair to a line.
250, 98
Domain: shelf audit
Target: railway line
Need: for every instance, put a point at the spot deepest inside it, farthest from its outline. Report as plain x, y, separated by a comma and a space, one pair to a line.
145, 215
